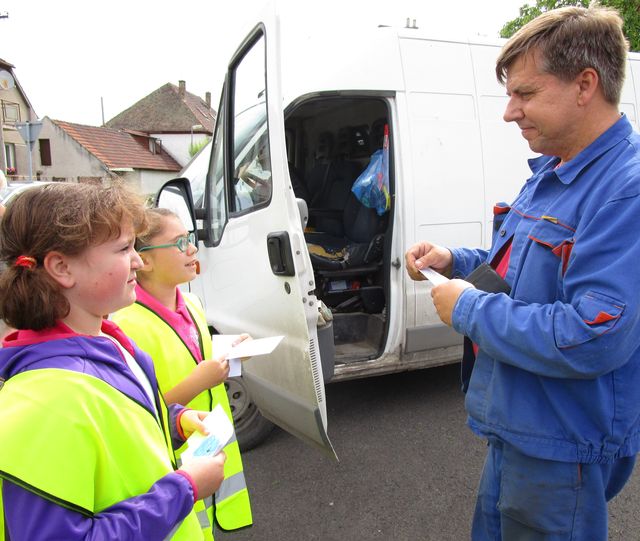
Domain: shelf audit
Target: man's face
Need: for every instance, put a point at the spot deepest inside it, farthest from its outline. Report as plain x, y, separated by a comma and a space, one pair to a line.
544, 107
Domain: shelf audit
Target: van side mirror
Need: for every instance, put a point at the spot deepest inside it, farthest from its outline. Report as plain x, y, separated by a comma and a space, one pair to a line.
176, 196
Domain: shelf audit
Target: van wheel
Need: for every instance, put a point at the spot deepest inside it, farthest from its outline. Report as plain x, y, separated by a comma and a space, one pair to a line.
251, 427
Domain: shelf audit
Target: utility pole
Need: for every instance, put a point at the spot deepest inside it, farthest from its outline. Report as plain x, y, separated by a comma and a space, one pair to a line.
3, 161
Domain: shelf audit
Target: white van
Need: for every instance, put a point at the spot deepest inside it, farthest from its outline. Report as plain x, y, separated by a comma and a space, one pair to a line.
299, 118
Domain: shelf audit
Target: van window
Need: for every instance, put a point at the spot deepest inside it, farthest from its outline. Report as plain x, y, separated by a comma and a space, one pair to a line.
252, 166
250, 187
217, 206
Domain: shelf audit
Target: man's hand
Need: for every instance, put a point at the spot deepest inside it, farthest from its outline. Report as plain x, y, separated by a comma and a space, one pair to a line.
423, 255
445, 297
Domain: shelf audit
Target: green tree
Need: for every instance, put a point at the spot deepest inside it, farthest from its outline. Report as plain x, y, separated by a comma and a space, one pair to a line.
629, 11
195, 147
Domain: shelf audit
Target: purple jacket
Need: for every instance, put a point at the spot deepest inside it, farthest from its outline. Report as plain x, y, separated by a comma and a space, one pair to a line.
152, 515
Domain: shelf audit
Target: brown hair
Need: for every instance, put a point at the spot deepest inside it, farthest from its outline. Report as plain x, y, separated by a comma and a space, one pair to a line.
155, 226
63, 217
569, 40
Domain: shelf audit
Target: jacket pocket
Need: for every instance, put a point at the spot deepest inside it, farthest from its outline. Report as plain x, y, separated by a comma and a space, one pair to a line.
599, 314
550, 233
547, 258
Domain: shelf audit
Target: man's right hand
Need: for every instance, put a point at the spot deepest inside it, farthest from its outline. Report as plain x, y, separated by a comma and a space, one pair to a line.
207, 472
425, 254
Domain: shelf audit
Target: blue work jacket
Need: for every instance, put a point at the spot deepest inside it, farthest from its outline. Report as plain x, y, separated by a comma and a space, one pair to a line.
558, 370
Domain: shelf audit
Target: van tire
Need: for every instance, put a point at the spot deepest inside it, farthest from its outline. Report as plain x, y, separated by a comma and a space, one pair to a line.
251, 427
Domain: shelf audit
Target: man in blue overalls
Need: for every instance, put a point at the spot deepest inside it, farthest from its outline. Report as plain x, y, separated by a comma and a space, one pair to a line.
555, 388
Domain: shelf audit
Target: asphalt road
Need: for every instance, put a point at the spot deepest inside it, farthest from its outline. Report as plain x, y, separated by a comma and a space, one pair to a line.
408, 469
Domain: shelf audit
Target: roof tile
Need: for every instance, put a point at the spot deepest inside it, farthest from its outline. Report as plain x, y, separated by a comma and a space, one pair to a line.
118, 148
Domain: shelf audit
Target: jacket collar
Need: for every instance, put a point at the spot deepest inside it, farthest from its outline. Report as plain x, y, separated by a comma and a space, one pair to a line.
60, 331
568, 172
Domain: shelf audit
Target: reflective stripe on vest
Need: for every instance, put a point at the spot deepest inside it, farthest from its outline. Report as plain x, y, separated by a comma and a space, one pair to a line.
173, 363
102, 447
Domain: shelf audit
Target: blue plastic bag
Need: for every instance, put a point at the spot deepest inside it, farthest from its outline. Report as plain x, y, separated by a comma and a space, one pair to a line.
372, 186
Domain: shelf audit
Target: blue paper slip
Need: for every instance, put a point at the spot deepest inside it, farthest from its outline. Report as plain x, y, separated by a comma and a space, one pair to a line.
220, 432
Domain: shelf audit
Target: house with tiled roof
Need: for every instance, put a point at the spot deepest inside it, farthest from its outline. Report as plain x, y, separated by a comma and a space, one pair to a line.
178, 118
15, 107
75, 152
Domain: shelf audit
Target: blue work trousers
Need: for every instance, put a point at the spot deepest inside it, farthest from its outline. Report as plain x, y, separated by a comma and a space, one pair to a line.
521, 498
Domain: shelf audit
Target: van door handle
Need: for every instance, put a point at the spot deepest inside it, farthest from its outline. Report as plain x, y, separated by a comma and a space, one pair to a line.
280, 256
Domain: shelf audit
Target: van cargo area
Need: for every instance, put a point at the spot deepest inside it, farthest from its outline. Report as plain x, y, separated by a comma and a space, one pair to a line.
330, 141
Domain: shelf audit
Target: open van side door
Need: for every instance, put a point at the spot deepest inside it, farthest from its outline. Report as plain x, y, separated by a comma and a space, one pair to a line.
255, 269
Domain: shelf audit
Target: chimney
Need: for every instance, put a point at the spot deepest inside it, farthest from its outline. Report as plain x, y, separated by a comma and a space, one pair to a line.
207, 99
182, 88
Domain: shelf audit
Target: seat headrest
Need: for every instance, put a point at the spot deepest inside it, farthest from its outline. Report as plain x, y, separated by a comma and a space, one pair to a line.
353, 142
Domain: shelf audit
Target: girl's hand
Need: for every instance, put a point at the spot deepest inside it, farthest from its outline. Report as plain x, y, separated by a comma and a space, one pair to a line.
191, 421
207, 472
244, 336
210, 373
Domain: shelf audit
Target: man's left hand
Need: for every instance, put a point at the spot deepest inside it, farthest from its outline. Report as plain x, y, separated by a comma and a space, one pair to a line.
445, 297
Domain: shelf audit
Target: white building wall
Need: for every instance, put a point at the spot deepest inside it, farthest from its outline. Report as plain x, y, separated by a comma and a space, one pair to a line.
177, 144
69, 160
151, 181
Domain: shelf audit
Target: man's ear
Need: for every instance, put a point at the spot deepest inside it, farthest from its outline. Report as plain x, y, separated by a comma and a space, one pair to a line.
57, 265
588, 83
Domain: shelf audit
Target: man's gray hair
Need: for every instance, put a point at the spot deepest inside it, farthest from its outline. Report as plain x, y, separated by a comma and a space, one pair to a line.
570, 40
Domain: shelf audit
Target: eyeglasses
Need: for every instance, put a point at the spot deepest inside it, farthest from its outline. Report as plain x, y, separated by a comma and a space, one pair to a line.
182, 244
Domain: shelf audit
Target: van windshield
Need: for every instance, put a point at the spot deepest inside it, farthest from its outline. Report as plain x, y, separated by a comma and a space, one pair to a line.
248, 122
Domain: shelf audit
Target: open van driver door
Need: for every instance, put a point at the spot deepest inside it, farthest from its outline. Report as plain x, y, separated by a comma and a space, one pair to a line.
255, 269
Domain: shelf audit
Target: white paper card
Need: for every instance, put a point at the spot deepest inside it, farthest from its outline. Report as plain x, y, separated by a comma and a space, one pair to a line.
223, 343
220, 432
433, 276
251, 348
235, 368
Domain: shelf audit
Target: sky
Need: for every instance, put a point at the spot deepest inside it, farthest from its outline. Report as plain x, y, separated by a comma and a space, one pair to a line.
77, 58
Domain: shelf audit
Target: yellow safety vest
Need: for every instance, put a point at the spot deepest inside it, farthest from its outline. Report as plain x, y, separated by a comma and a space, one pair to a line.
173, 361
77, 441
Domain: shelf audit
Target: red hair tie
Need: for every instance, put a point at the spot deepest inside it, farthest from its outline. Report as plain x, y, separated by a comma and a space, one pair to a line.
26, 261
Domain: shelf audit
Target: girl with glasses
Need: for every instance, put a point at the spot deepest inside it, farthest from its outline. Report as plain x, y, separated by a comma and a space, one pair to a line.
171, 326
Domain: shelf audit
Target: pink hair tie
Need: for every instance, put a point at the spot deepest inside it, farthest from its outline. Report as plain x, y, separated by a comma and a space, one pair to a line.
26, 261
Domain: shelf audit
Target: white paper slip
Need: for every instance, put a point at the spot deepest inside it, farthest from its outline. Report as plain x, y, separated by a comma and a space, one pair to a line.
235, 368
433, 276
221, 344
220, 432
251, 348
